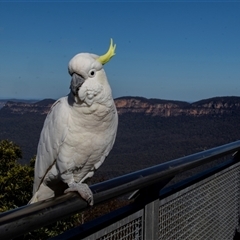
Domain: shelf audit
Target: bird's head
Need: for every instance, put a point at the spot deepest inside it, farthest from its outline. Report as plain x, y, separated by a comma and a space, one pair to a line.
88, 77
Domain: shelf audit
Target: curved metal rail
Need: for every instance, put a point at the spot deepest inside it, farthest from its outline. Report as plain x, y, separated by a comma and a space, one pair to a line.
27, 218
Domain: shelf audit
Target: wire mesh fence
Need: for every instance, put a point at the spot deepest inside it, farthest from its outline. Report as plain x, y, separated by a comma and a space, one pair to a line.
130, 227
205, 210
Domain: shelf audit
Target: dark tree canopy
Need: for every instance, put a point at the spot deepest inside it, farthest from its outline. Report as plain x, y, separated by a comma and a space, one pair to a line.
15, 179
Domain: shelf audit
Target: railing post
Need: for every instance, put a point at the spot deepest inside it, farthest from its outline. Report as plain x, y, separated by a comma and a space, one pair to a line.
151, 215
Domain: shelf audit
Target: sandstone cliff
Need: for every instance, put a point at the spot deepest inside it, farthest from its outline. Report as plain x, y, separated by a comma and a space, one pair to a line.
153, 107
167, 108
41, 107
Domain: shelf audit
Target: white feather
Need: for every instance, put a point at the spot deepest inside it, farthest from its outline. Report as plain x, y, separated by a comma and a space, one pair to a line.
78, 133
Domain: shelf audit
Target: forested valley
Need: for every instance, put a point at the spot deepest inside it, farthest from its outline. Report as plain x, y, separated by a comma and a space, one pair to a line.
143, 140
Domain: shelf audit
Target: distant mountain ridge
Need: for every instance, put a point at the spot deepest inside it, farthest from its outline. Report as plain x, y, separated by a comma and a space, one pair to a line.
4, 101
167, 108
42, 107
152, 107
150, 131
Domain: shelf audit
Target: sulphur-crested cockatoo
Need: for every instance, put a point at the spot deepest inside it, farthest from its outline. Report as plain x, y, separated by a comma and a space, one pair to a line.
79, 131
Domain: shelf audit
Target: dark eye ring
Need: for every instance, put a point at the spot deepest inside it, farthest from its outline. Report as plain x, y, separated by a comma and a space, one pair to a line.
92, 73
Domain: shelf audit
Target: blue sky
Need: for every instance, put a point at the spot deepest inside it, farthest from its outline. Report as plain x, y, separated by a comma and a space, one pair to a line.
168, 50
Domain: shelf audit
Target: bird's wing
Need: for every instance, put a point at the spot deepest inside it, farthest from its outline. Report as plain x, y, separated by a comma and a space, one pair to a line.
52, 136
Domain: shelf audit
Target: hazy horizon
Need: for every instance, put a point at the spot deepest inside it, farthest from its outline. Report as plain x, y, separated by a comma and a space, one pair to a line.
36, 100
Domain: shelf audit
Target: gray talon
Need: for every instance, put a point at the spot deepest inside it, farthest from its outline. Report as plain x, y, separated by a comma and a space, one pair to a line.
83, 190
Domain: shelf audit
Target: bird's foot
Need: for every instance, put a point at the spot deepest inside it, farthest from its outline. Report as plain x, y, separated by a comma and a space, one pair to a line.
83, 189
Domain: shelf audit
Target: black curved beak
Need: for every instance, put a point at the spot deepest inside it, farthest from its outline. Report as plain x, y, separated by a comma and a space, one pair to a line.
76, 83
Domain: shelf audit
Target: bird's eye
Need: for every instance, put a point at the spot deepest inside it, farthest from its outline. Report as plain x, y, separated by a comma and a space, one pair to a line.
92, 73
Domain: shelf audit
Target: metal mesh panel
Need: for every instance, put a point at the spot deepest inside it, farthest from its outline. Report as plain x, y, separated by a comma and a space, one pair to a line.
128, 228
206, 210
132, 230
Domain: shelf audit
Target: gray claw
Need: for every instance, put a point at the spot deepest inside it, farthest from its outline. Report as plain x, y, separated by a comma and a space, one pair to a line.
83, 190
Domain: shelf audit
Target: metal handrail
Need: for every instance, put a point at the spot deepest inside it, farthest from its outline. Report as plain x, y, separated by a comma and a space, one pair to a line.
27, 218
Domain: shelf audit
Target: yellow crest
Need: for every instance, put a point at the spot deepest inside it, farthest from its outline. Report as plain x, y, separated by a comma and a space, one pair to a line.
108, 55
